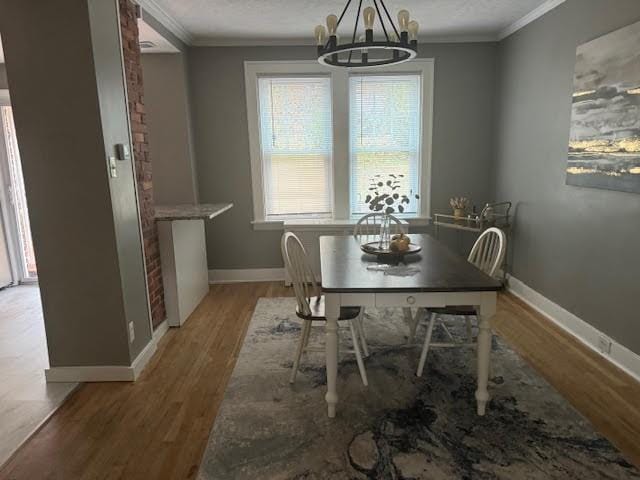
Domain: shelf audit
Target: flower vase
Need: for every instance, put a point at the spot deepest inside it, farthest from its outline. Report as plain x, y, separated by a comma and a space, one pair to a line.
385, 232
458, 212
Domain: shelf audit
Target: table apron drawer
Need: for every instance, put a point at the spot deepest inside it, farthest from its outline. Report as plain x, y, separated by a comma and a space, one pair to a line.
428, 299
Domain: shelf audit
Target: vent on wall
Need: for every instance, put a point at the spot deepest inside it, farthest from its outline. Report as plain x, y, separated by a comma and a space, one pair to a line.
146, 44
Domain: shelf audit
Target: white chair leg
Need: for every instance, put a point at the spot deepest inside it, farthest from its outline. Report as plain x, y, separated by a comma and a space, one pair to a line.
361, 334
306, 336
413, 323
356, 346
306, 328
425, 346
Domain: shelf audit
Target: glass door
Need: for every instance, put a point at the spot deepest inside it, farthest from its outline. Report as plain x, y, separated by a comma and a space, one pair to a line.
17, 223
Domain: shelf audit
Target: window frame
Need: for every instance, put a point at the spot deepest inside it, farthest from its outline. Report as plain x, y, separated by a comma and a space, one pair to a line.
340, 165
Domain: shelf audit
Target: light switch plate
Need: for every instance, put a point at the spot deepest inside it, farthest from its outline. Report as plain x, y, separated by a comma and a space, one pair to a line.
124, 151
113, 170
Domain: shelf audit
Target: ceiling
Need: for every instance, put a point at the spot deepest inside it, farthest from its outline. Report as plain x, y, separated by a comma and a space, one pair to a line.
272, 22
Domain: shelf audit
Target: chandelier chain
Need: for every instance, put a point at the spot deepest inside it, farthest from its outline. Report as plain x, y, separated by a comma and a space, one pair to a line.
355, 28
389, 17
384, 29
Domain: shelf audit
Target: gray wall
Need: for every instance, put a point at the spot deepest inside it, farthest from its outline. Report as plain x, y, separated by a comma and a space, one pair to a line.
84, 225
576, 246
112, 97
168, 121
3, 77
463, 138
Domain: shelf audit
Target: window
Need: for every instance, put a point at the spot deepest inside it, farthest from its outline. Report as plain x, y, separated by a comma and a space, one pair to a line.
318, 137
296, 145
384, 136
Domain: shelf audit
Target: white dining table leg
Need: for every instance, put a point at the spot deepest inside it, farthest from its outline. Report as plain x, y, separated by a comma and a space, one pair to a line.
332, 313
485, 311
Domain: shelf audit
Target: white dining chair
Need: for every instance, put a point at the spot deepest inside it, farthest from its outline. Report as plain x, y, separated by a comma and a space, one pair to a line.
367, 228
488, 255
310, 303
369, 225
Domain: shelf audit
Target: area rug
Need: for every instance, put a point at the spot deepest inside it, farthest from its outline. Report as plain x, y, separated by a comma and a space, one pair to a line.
400, 426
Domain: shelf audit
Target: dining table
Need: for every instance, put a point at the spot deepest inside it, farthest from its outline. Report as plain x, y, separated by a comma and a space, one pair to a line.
432, 278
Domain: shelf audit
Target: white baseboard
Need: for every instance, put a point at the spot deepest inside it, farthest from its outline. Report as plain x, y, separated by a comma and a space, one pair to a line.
112, 373
246, 275
620, 355
160, 330
115, 373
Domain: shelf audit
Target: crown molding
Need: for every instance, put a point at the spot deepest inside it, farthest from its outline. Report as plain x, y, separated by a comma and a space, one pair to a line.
183, 34
167, 20
306, 42
529, 17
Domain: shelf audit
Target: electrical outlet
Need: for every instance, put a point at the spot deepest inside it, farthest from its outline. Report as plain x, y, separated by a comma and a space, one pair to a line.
132, 332
604, 345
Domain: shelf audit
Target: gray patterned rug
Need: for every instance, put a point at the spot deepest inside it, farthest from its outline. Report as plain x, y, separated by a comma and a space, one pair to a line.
400, 427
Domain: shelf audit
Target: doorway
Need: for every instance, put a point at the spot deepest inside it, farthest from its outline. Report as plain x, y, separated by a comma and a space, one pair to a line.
17, 258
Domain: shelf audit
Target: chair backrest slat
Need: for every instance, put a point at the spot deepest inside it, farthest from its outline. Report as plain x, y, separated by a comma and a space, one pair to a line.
299, 268
369, 226
489, 250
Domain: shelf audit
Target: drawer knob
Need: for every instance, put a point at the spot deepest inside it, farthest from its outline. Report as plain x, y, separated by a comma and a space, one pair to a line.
411, 300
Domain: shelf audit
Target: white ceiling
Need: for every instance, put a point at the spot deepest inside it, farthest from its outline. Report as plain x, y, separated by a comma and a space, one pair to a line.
269, 22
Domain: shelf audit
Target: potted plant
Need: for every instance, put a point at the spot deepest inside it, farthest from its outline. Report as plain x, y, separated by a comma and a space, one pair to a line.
386, 196
459, 205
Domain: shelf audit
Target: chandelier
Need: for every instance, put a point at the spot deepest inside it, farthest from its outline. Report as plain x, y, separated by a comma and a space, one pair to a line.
399, 44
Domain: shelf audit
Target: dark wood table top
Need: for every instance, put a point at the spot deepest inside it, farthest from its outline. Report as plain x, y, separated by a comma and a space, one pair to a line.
344, 269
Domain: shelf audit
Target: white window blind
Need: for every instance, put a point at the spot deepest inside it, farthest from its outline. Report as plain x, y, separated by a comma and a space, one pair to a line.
384, 136
296, 145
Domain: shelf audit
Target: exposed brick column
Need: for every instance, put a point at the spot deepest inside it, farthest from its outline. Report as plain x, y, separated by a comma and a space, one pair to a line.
135, 92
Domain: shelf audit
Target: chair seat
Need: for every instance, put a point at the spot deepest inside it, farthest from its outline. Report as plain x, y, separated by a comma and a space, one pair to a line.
463, 310
317, 310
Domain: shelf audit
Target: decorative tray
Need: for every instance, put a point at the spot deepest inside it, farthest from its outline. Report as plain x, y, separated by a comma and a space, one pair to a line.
374, 249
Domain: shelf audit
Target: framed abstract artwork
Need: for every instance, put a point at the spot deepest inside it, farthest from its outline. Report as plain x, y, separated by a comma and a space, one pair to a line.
604, 148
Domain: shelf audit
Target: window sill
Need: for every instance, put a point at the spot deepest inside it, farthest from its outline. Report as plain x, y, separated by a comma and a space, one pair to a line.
268, 224
324, 223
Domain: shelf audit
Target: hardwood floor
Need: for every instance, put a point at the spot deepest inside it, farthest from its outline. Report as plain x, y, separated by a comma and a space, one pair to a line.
158, 427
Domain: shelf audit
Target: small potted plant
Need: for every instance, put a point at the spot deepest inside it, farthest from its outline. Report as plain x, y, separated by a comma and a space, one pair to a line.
386, 196
459, 205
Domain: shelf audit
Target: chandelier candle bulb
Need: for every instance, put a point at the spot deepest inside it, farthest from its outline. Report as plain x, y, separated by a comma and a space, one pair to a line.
321, 35
403, 20
332, 24
369, 16
413, 31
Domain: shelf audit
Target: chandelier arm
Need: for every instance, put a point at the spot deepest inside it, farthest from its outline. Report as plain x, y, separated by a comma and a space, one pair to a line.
355, 29
390, 20
384, 29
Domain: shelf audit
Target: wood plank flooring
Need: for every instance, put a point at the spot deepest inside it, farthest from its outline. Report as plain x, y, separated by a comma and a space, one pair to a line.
158, 427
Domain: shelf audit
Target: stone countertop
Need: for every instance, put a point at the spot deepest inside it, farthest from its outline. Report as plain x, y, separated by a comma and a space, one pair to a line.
200, 211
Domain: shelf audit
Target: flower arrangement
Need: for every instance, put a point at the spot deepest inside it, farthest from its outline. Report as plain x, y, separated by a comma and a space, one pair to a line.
459, 205
385, 196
